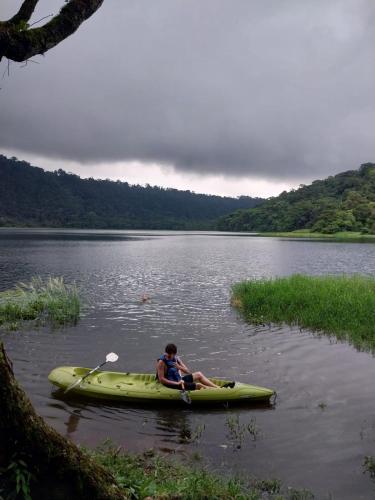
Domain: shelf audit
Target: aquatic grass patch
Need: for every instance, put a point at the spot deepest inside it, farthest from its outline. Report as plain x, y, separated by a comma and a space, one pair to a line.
340, 305
49, 300
153, 475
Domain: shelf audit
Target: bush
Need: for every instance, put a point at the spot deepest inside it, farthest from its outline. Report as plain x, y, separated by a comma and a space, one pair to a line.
51, 301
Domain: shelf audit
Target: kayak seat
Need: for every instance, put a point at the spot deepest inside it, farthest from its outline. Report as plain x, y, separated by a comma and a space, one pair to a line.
79, 372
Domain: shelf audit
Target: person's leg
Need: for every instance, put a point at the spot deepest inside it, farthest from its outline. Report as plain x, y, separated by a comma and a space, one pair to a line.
199, 377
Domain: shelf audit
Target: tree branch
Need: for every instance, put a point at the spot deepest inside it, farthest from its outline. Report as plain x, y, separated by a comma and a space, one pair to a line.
25, 12
19, 45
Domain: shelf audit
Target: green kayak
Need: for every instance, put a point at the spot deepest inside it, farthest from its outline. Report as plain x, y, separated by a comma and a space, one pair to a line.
140, 387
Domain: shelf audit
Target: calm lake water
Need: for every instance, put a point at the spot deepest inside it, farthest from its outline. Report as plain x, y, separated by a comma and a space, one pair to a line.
323, 423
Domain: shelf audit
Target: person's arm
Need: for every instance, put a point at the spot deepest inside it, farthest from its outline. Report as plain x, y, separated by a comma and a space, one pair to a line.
161, 375
181, 366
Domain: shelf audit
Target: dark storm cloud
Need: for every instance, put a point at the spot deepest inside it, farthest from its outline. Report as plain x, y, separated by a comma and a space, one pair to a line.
244, 87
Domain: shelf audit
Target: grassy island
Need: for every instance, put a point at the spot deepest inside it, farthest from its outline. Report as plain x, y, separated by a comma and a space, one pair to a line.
339, 305
43, 301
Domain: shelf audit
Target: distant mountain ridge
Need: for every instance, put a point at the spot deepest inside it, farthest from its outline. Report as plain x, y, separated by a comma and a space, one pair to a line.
30, 196
344, 202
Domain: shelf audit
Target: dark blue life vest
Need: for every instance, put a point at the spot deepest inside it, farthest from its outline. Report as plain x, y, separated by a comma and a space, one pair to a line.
172, 372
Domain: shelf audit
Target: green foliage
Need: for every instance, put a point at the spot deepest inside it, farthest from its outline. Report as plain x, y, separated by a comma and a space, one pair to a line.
29, 196
339, 305
345, 202
16, 480
51, 300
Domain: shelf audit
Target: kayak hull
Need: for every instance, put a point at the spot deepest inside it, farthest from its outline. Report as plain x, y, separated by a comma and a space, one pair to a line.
143, 387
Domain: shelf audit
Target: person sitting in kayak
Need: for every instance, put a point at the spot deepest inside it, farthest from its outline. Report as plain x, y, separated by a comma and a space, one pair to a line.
169, 373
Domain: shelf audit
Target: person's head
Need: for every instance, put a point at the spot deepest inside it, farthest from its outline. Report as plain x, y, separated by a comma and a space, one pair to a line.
171, 349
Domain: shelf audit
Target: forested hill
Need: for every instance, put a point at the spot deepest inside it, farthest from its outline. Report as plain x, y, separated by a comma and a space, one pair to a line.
31, 196
345, 202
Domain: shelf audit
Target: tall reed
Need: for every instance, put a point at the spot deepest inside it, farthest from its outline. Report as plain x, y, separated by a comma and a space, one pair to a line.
339, 305
44, 301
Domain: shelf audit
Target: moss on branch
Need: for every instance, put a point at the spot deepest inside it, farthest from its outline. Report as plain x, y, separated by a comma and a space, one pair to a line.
22, 44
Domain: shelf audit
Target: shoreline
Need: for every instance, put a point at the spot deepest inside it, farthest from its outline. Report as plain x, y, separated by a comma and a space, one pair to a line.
298, 234
301, 234
345, 236
153, 475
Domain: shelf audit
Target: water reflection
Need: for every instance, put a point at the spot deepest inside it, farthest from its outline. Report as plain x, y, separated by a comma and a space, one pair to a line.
45, 235
174, 427
72, 423
188, 277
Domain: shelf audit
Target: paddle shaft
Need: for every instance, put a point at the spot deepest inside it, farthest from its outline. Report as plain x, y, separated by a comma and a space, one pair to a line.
184, 394
85, 376
94, 370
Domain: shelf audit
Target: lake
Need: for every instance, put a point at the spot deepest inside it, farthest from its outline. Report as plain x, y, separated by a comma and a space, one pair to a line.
322, 425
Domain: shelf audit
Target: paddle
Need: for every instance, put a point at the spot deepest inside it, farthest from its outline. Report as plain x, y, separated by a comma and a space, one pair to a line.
110, 358
183, 393
185, 396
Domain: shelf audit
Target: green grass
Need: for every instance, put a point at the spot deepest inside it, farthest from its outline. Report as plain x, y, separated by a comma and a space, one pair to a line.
304, 233
156, 476
42, 301
339, 305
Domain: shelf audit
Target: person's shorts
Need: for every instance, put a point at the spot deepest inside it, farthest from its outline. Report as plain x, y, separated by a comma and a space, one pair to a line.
190, 385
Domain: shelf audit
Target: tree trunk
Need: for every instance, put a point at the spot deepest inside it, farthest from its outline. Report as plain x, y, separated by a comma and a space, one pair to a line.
19, 43
60, 470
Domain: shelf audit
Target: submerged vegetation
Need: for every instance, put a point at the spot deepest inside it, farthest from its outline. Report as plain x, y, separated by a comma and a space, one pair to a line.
238, 432
369, 465
339, 305
42, 301
151, 475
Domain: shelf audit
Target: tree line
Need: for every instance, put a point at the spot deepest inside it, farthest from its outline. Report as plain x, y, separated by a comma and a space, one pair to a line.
30, 196
344, 202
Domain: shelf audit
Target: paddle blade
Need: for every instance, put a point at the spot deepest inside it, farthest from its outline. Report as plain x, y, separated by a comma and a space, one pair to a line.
185, 397
111, 357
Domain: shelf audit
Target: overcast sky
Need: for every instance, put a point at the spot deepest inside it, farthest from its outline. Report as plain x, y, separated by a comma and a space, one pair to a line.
227, 97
